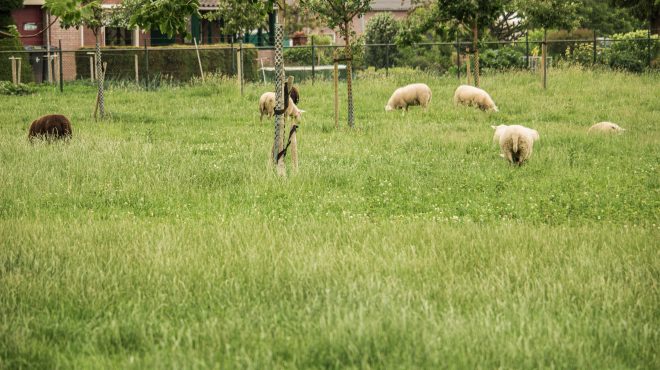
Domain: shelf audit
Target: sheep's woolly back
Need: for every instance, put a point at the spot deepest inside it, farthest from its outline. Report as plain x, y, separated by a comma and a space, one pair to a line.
54, 126
474, 96
413, 94
516, 142
267, 107
606, 127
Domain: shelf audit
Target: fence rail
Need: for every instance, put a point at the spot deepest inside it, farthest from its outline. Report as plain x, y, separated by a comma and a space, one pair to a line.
146, 65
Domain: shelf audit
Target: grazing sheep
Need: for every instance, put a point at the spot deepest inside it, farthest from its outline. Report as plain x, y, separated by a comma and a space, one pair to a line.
516, 142
414, 94
54, 126
606, 127
267, 107
470, 95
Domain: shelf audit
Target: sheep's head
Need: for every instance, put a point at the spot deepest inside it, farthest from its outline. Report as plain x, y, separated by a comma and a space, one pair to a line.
388, 108
498, 131
298, 115
535, 135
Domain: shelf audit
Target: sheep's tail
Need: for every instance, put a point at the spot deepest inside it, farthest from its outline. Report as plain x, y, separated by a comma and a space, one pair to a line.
514, 145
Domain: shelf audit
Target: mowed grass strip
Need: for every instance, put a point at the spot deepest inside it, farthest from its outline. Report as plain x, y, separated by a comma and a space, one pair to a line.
160, 237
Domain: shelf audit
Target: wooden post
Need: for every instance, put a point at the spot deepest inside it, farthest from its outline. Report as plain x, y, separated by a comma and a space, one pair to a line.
468, 68
336, 81
137, 71
13, 70
91, 68
293, 147
240, 66
199, 60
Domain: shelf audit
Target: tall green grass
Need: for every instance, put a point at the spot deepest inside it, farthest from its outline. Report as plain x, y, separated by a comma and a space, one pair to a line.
161, 237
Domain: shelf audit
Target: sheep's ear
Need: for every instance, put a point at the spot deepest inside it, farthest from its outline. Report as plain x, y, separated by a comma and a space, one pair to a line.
302, 111
493, 127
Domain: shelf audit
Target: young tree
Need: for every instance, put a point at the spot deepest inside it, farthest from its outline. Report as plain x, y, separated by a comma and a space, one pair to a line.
339, 14
474, 15
549, 14
84, 13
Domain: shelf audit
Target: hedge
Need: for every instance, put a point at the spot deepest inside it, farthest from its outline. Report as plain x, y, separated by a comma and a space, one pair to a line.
176, 62
14, 44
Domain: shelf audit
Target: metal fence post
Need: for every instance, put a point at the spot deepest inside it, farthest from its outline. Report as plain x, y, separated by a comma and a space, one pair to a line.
649, 45
313, 60
527, 48
458, 57
594, 47
61, 69
233, 62
387, 60
240, 65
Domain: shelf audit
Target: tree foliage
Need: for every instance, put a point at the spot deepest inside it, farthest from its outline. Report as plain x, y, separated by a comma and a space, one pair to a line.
381, 29
645, 10
77, 13
469, 13
240, 16
421, 24
561, 14
338, 14
606, 18
170, 17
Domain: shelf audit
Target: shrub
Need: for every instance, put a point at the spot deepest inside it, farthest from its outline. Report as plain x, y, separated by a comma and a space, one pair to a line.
8, 88
14, 44
506, 57
381, 29
302, 55
583, 54
178, 63
435, 58
629, 53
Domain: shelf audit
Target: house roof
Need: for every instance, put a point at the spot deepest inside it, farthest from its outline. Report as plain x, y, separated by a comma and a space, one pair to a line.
378, 5
391, 5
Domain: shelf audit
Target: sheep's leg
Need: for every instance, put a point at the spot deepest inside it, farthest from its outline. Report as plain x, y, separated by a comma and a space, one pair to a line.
509, 157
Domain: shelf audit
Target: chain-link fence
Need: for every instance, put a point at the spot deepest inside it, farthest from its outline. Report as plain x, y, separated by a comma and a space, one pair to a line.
180, 63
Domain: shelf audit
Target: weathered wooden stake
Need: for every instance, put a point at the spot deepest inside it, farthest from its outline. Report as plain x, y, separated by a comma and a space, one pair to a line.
199, 60
336, 81
137, 71
13, 70
91, 69
468, 68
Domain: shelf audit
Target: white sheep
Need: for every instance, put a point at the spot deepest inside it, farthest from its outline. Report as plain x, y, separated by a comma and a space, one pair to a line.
267, 107
516, 142
606, 127
470, 95
413, 94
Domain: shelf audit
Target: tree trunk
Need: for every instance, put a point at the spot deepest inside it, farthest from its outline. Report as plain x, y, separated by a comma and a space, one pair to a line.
278, 144
475, 40
349, 73
99, 77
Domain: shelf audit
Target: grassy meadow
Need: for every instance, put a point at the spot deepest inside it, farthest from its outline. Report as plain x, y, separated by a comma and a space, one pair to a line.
161, 237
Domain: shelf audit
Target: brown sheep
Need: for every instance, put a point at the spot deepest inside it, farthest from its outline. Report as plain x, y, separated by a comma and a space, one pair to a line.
52, 126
